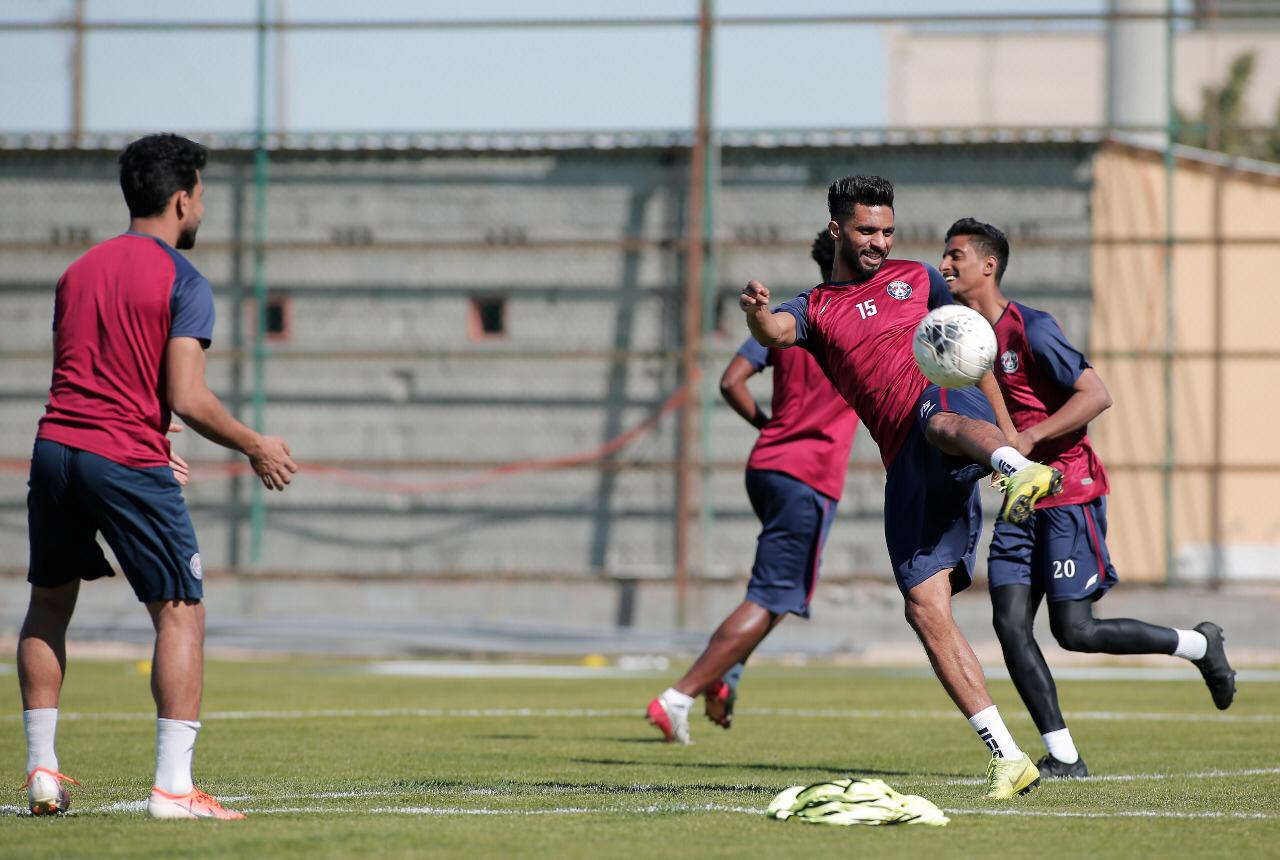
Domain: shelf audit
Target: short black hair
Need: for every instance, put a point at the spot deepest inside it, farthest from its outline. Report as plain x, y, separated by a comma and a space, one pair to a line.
851, 191
152, 168
990, 241
823, 252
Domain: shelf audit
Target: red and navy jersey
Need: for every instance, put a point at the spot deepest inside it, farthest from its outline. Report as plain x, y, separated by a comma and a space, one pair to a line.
811, 429
1037, 369
116, 309
860, 332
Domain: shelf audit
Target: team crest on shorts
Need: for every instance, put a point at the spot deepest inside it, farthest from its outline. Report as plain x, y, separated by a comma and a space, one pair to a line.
900, 290
197, 568
1009, 361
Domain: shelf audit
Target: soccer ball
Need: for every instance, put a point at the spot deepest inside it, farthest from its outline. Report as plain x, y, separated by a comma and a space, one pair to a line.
954, 346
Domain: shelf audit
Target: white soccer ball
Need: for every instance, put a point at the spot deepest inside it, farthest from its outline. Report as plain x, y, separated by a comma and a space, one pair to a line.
954, 346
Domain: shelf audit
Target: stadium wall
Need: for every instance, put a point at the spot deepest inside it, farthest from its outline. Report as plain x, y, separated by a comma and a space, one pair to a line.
399, 412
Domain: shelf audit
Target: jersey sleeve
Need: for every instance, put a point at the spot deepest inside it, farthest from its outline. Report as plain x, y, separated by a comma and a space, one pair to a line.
1053, 352
798, 308
756, 354
191, 310
939, 292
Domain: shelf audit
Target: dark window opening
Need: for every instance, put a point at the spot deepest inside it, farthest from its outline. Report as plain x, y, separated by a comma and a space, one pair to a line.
488, 317
279, 317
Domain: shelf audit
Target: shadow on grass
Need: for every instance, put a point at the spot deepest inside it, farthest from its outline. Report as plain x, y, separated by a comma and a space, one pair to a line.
853, 770
556, 787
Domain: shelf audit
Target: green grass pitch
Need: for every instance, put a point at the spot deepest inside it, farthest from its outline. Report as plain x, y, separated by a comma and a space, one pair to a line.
330, 761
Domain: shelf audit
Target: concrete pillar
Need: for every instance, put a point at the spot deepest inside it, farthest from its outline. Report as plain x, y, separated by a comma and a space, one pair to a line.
1137, 90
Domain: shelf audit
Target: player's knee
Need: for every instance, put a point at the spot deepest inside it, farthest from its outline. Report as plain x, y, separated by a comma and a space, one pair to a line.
943, 429
1080, 635
52, 604
925, 616
1012, 632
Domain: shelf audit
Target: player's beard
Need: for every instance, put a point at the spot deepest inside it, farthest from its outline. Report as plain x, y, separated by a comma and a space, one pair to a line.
187, 238
852, 259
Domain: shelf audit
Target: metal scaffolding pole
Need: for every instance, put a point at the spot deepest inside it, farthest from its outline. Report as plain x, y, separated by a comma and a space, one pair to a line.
257, 516
688, 468
77, 73
1170, 168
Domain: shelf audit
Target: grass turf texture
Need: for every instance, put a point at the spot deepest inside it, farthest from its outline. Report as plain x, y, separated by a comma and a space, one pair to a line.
531, 784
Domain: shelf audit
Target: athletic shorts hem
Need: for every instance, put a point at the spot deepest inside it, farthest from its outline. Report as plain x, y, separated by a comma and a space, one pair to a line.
777, 607
959, 570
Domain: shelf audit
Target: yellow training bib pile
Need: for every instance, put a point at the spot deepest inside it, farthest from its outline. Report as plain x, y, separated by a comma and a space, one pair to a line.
843, 802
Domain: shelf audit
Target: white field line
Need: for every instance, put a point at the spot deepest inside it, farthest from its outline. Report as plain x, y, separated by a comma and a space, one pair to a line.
1120, 813
1134, 777
558, 713
135, 807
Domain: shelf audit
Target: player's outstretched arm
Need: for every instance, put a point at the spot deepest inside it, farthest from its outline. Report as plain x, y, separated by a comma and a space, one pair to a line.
733, 388
769, 329
1089, 399
191, 400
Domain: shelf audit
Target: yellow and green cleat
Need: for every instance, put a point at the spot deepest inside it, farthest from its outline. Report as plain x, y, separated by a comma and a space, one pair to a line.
1024, 488
1007, 777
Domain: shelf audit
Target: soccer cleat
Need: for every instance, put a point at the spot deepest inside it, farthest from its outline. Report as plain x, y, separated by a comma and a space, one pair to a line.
193, 804
719, 699
673, 724
1052, 768
1218, 675
1024, 488
1009, 776
45, 793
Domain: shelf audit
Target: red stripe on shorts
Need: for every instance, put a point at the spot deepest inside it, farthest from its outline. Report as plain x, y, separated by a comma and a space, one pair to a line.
1097, 547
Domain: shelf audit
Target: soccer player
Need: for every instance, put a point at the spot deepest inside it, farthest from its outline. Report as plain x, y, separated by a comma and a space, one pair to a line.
795, 476
935, 443
1060, 550
131, 320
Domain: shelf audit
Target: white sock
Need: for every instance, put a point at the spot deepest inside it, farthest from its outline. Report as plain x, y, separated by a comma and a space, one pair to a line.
1007, 460
991, 729
175, 744
41, 724
1061, 747
673, 698
1191, 644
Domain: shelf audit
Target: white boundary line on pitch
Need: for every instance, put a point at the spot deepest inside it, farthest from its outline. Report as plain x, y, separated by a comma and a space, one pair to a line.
1134, 777
795, 713
655, 808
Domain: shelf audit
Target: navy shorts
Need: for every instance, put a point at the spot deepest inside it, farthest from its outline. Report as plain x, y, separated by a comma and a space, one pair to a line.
73, 495
932, 511
796, 520
1061, 551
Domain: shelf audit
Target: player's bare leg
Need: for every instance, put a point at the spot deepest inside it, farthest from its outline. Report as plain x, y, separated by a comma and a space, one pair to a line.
963, 436
732, 643
177, 683
177, 670
42, 644
1024, 482
42, 665
928, 610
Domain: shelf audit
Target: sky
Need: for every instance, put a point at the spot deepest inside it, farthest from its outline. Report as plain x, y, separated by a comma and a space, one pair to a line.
485, 79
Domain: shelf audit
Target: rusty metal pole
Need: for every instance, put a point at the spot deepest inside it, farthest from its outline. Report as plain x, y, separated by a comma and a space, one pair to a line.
688, 467
1217, 530
77, 73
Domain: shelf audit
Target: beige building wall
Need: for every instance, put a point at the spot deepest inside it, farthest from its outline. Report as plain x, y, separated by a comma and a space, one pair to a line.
1029, 79
1227, 360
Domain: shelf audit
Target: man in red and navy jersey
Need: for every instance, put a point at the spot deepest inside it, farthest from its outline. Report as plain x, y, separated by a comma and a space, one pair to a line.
795, 477
1060, 551
935, 443
132, 319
